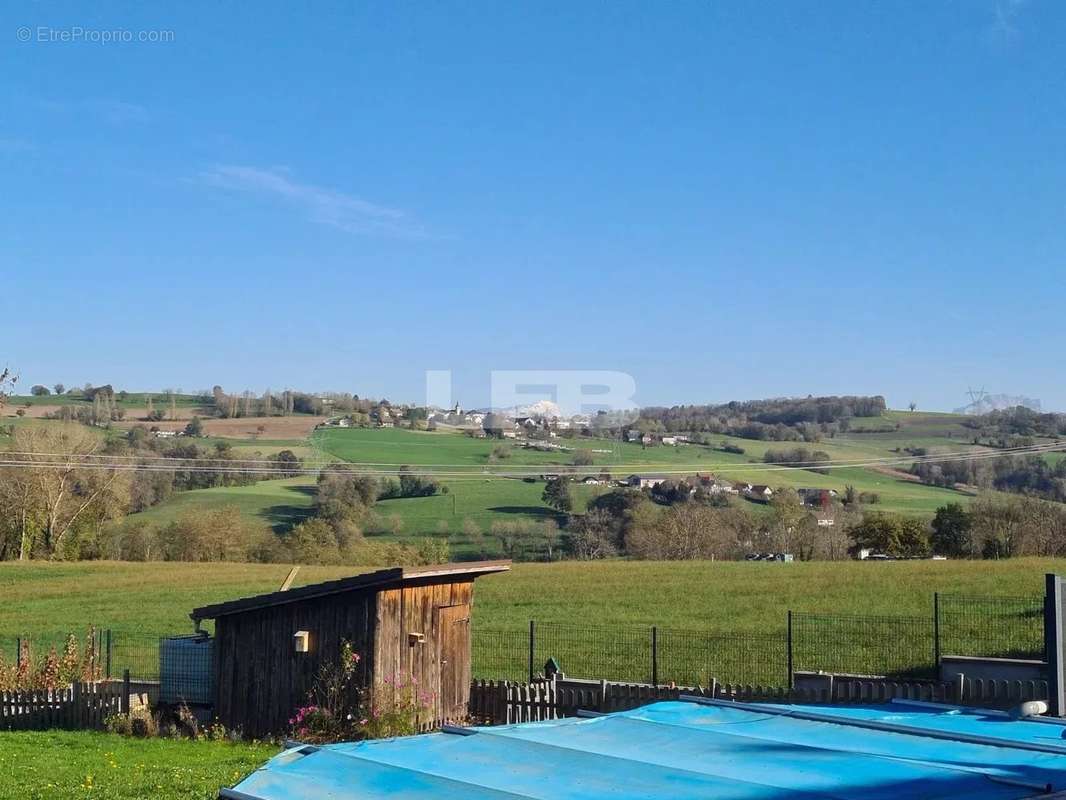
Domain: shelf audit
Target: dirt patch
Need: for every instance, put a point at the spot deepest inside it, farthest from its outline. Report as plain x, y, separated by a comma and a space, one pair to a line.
33, 412
898, 474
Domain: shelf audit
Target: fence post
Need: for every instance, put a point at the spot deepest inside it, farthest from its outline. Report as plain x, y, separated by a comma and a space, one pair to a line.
936, 631
532, 639
107, 654
124, 704
1054, 648
791, 681
655, 656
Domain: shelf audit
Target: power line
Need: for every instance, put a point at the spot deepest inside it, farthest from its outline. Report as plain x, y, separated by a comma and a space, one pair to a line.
116, 459
464, 471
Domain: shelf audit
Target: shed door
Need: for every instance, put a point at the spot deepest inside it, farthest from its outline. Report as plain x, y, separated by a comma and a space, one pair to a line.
453, 657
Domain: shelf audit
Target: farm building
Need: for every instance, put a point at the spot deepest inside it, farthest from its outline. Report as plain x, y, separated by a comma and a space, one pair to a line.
701, 749
644, 481
405, 622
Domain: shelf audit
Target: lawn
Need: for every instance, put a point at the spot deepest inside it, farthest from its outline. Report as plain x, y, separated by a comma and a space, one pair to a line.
58, 765
45, 600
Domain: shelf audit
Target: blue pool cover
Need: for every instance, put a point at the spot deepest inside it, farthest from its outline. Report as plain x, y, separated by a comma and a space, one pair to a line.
682, 749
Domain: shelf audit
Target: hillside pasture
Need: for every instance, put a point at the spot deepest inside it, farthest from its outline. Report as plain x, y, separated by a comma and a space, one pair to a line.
282, 503
455, 453
279, 504
482, 502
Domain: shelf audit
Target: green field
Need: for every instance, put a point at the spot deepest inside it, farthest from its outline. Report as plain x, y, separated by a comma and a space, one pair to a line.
451, 452
280, 503
476, 491
47, 600
57, 765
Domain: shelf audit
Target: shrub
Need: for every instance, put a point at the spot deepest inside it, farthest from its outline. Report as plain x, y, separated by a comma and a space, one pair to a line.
139, 723
118, 723
338, 707
583, 458
52, 671
398, 715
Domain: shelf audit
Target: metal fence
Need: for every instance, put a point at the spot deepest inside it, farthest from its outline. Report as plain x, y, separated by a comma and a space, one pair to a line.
502, 654
897, 647
694, 658
1003, 626
639, 654
136, 652
901, 647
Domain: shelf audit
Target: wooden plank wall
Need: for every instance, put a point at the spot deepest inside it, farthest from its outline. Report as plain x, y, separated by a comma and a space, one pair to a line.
414, 609
76, 707
259, 678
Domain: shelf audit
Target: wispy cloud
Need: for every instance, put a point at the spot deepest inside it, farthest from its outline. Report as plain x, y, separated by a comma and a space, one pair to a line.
322, 205
1003, 31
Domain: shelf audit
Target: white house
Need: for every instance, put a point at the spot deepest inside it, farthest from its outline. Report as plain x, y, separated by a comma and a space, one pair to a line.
643, 481
720, 486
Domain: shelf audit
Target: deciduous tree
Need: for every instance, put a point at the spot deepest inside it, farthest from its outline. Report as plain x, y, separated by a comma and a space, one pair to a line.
57, 490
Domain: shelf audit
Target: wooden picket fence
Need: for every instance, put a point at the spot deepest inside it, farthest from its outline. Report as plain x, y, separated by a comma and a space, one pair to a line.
504, 702
75, 707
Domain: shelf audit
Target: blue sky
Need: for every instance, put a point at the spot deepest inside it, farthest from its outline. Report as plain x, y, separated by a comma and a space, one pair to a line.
724, 200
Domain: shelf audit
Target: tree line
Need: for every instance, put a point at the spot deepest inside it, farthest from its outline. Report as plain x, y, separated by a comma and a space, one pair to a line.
675, 521
1032, 475
780, 419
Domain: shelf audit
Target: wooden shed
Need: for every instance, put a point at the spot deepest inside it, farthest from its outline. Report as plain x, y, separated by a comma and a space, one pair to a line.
404, 621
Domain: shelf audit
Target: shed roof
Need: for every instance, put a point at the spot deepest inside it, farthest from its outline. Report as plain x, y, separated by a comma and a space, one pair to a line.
674, 750
380, 579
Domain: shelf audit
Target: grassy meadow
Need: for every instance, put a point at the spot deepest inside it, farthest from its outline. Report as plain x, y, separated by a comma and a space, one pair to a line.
47, 600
